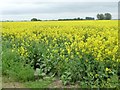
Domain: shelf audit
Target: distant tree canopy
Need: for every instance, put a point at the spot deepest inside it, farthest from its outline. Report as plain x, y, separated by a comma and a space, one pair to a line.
106, 16
70, 19
35, 19
39, 20
87, 18
100, 16
90, 18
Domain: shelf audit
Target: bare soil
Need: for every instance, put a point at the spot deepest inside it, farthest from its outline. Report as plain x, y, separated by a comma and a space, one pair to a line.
9, 83
58, 84
12, 85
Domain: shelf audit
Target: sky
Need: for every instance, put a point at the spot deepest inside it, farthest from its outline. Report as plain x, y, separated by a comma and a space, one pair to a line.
55, 9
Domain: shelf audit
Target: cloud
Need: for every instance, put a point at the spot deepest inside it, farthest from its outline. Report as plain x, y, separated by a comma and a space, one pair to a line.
57, 9
65, 7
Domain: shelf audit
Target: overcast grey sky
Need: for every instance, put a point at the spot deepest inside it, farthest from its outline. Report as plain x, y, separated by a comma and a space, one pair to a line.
54, 9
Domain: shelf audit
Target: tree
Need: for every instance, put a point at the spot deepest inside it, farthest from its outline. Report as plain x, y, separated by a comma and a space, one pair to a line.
34, 19
108, 16
39, 20
78, 18
89, 18
100, 16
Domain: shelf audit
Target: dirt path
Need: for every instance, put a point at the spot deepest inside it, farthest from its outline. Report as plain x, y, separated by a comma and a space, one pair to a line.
9, 83
58, 84
12, 85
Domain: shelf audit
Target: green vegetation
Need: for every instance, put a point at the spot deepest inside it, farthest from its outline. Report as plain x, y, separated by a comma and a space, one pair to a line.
106, 16
75, 52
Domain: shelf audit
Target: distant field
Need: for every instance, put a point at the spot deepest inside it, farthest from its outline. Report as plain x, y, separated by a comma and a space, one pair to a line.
82, 52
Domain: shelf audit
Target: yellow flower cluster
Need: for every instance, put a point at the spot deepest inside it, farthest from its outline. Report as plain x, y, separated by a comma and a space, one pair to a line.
68, 38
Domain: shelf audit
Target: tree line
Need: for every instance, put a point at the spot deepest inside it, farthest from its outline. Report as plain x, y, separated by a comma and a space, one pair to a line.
106, 16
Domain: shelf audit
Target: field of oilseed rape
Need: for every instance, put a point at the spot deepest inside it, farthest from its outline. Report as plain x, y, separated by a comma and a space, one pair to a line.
82, 52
